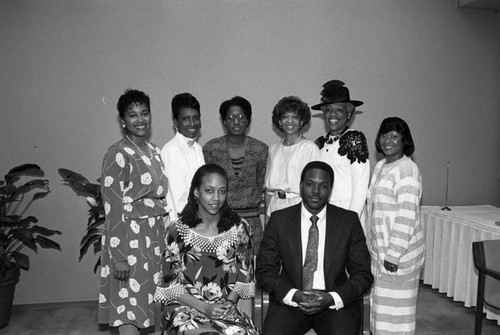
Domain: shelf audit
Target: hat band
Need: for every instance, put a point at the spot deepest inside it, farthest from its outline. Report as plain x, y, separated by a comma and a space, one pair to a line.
328, 101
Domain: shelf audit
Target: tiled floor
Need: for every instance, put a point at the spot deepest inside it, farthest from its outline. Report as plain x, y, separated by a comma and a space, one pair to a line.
436, 314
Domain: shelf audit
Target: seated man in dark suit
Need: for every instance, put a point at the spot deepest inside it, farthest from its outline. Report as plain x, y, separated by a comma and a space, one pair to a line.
314, 262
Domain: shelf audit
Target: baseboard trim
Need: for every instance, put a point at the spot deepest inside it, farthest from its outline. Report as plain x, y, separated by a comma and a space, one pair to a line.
58, 304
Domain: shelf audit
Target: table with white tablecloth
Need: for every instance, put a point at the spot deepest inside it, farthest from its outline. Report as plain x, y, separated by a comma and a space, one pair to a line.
449, 265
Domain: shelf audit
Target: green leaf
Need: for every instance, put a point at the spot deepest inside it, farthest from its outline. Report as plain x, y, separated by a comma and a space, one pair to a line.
87, 242
97, 212
8, 189
96, 217
96, 224
32, 184
97, 265
40, 195
32, 170
5, 264
9, 220
25, 236
44, 231
90, 236
22, 260
79, 184
47, 243
72, 177
17, 231
97, 246
27, 221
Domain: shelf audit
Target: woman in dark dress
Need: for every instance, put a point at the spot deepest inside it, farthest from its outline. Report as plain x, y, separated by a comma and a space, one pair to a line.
244, 158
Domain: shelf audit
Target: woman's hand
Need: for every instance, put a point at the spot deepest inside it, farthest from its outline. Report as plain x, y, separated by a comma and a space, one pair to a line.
121, 271
230, 307
390, 266
217, 310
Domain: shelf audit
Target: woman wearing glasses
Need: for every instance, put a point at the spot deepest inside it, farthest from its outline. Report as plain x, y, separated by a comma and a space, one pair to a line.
244, 159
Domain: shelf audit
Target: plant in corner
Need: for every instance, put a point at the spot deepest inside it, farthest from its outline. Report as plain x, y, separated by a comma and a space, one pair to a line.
82, 186
18, 231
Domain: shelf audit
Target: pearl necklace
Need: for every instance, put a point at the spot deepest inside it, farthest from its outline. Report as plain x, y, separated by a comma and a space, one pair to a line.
147, 146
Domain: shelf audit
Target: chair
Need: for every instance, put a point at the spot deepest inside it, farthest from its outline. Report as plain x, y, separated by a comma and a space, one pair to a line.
262, 304
486, 259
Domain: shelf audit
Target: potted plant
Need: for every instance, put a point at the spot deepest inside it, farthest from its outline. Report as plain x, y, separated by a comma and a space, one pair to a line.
82, 186
18, 231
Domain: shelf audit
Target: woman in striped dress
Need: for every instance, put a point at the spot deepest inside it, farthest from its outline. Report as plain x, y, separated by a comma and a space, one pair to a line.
395, 235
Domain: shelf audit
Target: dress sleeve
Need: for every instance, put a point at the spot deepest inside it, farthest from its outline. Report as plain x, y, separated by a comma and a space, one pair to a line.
309, 152
360, 174
245, 285
173, 283
353, 145
207, 153
267, 177
175, 182
314, 154
115, 177
407, 192
261, 168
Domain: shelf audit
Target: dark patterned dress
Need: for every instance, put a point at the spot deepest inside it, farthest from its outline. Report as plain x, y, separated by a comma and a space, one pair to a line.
133, 189
208, 268
246, 185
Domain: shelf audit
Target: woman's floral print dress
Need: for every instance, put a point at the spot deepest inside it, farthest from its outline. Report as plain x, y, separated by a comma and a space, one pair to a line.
133, 189
208, 268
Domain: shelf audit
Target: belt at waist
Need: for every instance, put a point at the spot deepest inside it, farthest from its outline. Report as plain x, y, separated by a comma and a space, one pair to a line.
247, 212
145, 208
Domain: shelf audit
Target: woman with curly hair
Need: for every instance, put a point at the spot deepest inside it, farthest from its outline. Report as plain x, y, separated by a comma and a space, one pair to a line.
208, 263
288, 157
133, 190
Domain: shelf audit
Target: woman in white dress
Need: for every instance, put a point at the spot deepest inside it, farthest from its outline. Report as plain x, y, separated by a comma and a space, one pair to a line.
288, 157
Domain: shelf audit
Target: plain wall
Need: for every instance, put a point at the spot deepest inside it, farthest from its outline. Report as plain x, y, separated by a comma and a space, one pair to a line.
65, 62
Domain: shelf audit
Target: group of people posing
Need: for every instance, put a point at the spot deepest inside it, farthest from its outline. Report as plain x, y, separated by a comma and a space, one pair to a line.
183, 223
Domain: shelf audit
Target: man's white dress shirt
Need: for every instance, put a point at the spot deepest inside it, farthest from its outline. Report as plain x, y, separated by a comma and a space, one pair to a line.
319, 275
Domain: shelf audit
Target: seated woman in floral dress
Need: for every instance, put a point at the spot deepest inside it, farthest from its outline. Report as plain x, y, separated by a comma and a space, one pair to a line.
208, 263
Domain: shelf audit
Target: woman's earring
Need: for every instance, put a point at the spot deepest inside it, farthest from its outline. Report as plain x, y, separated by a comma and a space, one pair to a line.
123, 126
